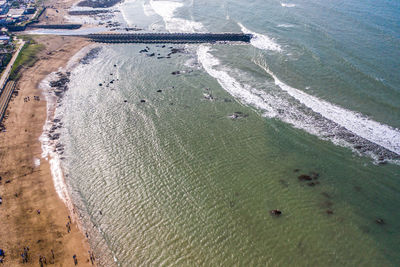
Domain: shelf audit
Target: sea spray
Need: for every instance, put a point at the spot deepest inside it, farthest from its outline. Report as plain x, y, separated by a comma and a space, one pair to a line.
261, 41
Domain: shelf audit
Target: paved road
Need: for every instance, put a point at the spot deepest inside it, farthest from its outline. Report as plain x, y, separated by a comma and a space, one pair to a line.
7, 88
5, 98
6, 72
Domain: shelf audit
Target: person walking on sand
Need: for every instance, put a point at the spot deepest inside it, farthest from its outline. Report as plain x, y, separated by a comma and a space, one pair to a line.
75, 259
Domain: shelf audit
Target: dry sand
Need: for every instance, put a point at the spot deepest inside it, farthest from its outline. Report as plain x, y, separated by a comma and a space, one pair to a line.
30, 187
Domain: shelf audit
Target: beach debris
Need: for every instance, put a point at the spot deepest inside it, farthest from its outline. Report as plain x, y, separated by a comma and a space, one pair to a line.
380, 221
276, 212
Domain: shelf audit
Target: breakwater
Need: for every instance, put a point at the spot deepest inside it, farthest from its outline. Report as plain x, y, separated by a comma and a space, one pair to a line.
170, 37
57, 26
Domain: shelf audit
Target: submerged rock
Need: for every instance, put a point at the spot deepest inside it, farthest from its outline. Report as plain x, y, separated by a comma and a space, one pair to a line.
380, 221
304, 177
142, 101
238, 115
276, 212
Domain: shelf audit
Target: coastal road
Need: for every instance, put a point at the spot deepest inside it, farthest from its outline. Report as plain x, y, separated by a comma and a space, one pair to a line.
5, 98
7, 88
6, 72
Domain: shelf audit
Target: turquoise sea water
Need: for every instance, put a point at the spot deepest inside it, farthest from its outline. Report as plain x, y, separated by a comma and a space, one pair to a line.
179, 182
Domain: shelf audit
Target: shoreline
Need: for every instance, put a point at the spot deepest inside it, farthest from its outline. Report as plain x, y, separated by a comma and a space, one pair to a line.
40, 218
34, 214
29, 144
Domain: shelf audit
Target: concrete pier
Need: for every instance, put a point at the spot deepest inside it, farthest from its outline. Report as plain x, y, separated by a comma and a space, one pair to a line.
170, 37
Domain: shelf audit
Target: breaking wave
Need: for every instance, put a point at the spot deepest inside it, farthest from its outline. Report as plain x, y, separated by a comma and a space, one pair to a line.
309, 113
167, 9
261, 41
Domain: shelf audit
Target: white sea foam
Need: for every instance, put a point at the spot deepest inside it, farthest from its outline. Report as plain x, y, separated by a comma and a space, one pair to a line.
375, 132
261, 41
49, 146
148, 10
311, 114
167, 9
285, 25
288, 5
230, 84
36, 162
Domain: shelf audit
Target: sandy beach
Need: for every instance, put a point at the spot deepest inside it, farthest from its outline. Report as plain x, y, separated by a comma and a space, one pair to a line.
32, 214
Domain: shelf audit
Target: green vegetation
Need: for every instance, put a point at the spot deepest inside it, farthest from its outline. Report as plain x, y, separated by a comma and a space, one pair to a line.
26, 58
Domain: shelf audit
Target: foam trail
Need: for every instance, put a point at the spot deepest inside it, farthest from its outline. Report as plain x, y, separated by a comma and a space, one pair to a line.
287, 5
285, 25
261, 41
167, 9
375, 132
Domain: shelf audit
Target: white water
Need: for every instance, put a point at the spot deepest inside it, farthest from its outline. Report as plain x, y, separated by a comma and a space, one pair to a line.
375, 132
49, 146
261, 41
287, 5
167, 9
285, 25
320, 117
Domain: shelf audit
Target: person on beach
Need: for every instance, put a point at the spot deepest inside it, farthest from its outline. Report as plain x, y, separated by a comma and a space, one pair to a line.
1, 201
2, 255
75, 259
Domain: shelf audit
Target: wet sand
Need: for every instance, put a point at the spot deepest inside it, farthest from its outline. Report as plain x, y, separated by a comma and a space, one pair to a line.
27, 187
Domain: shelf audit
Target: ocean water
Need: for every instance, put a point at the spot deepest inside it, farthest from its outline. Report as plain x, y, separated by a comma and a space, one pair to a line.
188, 177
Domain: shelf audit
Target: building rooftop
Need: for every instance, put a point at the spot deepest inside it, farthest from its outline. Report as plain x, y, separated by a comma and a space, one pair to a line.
16, 12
